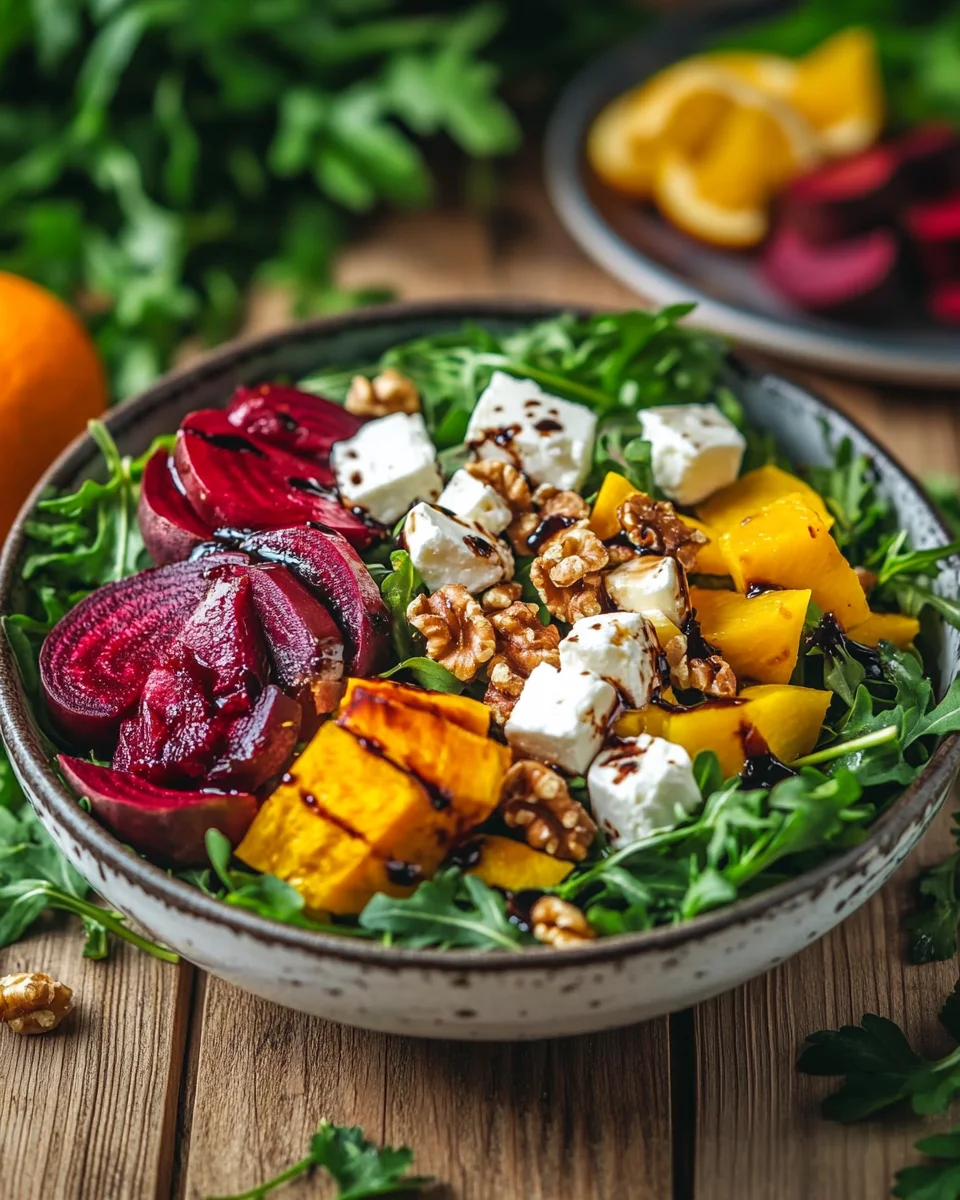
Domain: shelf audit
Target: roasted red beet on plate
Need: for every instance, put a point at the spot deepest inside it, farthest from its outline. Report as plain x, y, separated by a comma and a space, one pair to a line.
164, 823
857, 277
929, 160
846, 198
289, 419
170, 526
934, 232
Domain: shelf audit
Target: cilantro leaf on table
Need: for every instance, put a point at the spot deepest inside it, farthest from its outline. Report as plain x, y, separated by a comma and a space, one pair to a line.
358, 1168
880, 1068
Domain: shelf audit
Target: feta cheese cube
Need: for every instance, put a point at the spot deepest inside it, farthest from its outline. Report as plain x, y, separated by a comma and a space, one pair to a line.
549, 439
650, 584
447, 549
387, 466
694, 449
621, 648
640, 786
561, 717
474, 500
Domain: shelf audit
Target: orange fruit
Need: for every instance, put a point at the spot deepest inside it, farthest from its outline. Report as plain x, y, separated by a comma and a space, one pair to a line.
839, 90
51, 384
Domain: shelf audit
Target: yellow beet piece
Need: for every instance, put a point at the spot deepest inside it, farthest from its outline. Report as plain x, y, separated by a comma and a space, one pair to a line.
472, 715
505, 863
747, 495
788, 544
758, 636
462, 773
613, 491
789, 719
709, 559
330, 868
886, 627
663, 625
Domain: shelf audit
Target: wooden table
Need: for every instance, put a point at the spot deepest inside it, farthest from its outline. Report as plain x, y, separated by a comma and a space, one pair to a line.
170, 1083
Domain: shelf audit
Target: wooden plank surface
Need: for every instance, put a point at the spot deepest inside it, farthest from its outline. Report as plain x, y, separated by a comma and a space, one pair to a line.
170, 1083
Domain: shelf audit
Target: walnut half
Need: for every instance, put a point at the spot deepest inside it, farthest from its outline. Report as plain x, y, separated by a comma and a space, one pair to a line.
567, 574
536, 799
390, 392
559, 923
653, 526
459, 636
33, 1003
523, 642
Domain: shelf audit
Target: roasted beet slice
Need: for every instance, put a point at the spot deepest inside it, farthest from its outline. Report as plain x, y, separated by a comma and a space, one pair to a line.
934, 232
330, 567
165, 824
176, 735
170, 527
944, 303
929, 161
854, 278
95, 661
846, 198
260, 745
236, 481
304, 643
296, 421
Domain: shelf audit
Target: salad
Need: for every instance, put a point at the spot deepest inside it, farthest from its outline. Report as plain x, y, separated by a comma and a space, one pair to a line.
504, 639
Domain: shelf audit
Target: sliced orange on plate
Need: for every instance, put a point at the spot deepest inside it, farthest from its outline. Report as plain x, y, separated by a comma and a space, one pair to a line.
839, 90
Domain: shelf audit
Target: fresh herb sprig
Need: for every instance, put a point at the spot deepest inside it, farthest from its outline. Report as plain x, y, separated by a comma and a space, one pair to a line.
936, 1180
359, 1169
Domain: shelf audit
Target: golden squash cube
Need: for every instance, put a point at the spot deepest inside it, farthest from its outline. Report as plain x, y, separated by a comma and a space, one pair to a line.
759, 636
514, 866
746, 496
613, 491
788, 545
886, 627
710, 560
472, 715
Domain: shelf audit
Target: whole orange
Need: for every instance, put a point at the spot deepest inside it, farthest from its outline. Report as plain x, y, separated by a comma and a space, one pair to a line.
51, 384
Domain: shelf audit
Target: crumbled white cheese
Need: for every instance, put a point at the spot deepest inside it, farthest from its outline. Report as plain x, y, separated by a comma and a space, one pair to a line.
620, 647
447, 549
694, 450
642, 785
549, 439
386, 466
561, 717
468, 497
650, 584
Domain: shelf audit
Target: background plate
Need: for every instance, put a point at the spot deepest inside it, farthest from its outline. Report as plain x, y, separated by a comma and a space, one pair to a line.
636, 246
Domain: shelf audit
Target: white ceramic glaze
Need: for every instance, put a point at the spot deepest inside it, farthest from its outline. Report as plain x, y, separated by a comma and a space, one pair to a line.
537, 993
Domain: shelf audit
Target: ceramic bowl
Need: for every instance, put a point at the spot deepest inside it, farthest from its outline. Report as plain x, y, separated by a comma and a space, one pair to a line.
539, 993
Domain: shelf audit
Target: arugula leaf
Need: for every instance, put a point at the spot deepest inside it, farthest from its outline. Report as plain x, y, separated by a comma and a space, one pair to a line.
449, 910
892, 558
358, 1168
398, 589
429, 674
848, 486
881, 1069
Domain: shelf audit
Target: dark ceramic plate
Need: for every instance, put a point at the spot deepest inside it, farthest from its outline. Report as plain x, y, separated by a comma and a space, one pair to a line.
665, 267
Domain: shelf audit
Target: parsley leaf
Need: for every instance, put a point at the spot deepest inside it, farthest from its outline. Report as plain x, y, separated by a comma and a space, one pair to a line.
939, 1180
358, 1168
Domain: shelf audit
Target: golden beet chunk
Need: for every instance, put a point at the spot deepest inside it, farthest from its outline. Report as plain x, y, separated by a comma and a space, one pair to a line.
746, 496
710, 560
472, 715
886, 627
613, 491
333, 870
759, 636
789, 719
505, 863
788, 545
462, 772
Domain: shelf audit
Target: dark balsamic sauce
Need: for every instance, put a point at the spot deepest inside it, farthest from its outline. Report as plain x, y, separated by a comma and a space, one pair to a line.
503, 436
697, 644
234, 442
519, 906
547, 425
440, 797
762, 768
761, 589
831, 641
403, 874
313, 488
465, 856
478, 545
289, 423
546, 529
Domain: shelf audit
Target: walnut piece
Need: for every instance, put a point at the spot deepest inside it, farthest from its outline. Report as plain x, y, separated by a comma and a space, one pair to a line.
509, 483
554, 503
523, 642
536, 799
459, 636
500, 596
712, 675
653, 525
33, 1003
389, 392
559, 923
567, 574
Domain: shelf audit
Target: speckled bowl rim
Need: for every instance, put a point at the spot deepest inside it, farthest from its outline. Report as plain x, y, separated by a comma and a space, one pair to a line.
48, 793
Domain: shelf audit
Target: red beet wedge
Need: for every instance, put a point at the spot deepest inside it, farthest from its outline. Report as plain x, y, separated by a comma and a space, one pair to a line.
845, 198
291, 420
851, 279
304, 643
170, 527
166, 824
237, 481
333, 570
944, 303
95, 661
929, 161
934, 232
259, 745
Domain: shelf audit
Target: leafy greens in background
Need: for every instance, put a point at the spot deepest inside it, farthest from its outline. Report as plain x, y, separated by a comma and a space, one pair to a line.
161, 155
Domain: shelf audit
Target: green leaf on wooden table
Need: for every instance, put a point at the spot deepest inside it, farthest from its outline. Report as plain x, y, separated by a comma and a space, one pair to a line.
881, 1069
938, 1180
449, 910
358, 1168
933, 928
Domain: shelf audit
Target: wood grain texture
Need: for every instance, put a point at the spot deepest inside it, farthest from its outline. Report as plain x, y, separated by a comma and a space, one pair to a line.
585, 1117
88, 1112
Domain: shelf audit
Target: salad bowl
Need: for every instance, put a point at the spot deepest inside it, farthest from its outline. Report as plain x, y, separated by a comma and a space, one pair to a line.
455, 993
